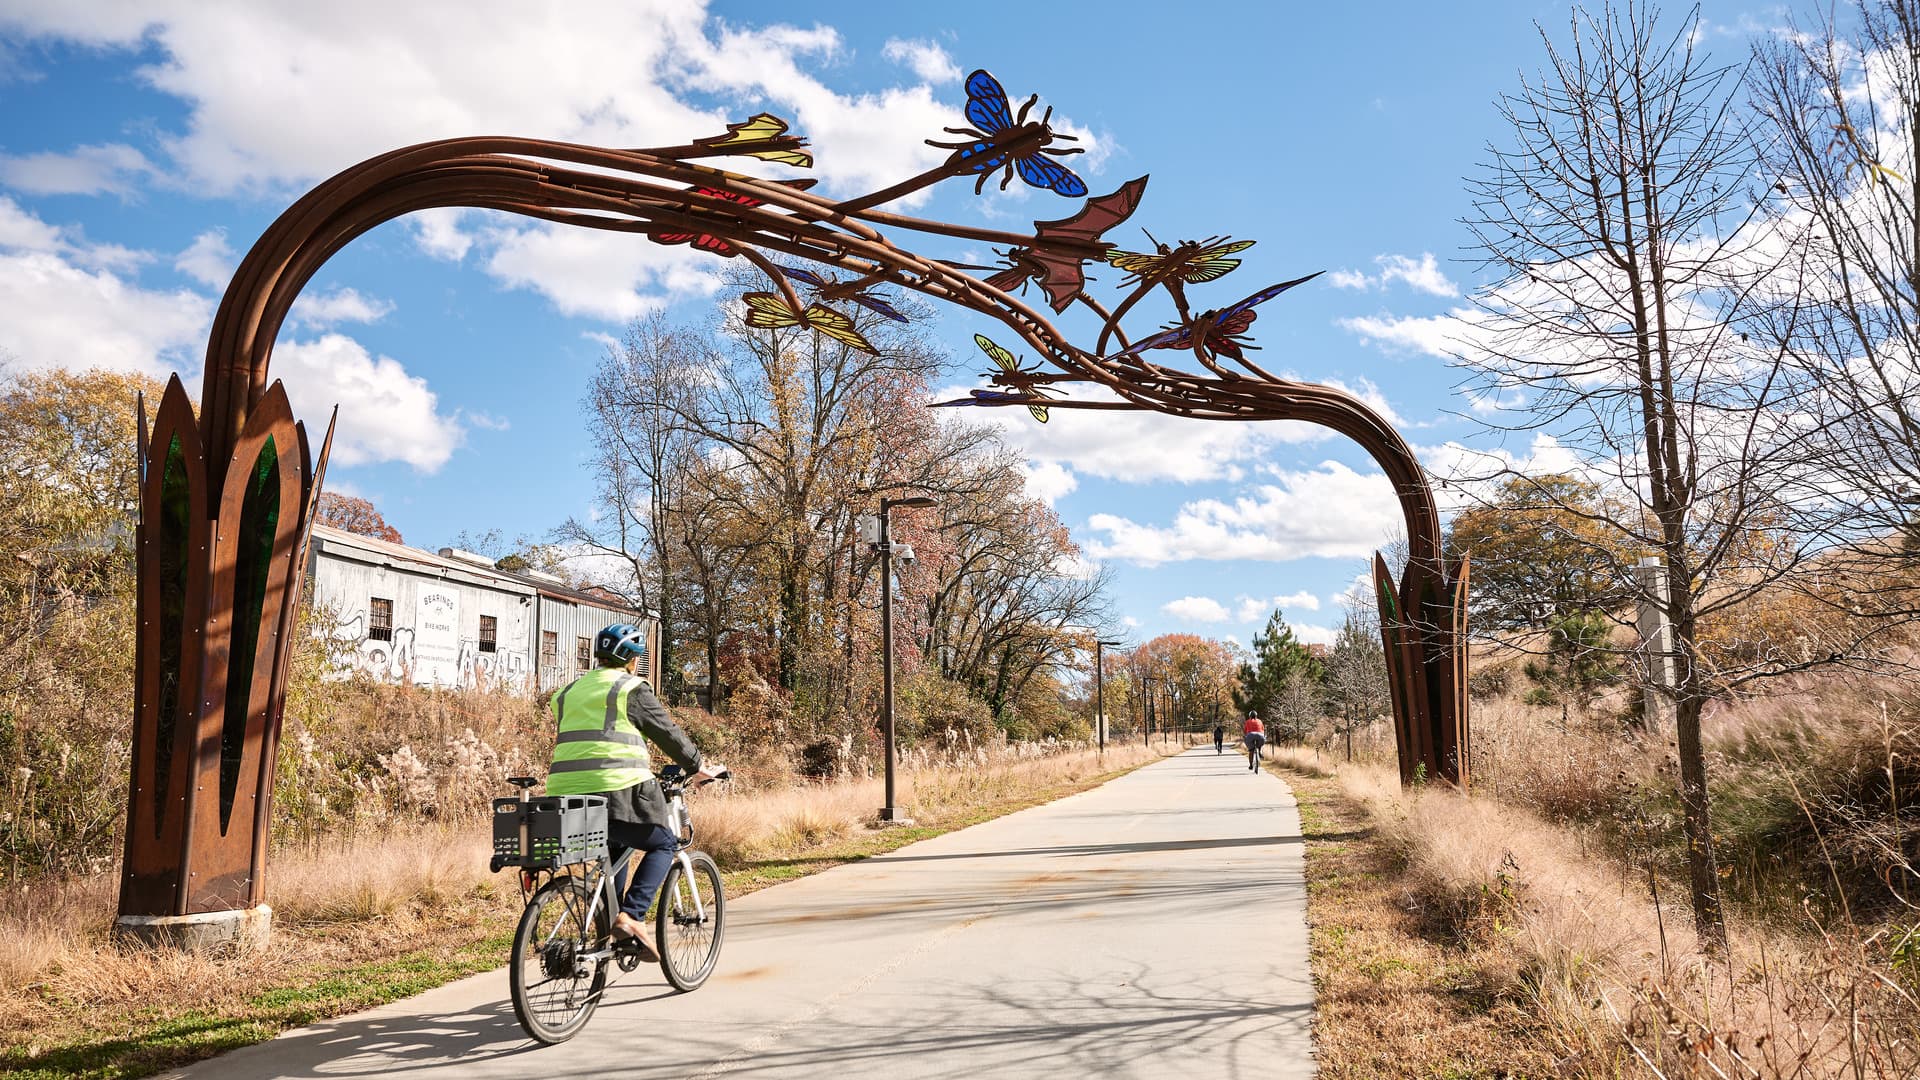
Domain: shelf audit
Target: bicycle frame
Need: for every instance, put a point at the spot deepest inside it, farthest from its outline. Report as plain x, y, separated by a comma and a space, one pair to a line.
606, 872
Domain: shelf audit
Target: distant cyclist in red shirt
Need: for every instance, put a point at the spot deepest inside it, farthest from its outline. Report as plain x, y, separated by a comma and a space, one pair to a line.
1254, 734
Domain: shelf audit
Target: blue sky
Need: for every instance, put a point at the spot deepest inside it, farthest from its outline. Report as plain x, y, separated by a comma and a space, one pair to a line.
143, 147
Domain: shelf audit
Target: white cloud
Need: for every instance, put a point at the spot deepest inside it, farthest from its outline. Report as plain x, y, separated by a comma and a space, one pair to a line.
1254, 609
1331, 512
602, 275
208, 260
361, 77
385, 413
1421, 275
340, 305
358, 78
1308, 634
62, 312
925, 59
85, 170
1434, 335
1048, 481
1139, 447
21, 230
1196, 609
66, 304
487, 421
438, 233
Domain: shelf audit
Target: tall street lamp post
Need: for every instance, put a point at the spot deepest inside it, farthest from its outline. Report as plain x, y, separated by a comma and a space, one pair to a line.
1146, 718
1100, 693
1166, 718
883, 543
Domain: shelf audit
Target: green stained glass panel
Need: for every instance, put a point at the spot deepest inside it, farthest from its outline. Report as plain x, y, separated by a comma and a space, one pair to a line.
173, 526
259, 522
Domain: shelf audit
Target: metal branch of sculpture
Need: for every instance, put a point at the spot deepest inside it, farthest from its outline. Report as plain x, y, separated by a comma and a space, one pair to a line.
227, 498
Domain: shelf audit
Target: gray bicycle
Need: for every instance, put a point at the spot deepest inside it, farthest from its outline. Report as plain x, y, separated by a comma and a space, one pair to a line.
564, 948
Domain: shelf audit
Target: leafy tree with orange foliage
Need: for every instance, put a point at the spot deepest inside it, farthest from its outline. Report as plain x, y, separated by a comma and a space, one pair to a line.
1194, 679
354, 515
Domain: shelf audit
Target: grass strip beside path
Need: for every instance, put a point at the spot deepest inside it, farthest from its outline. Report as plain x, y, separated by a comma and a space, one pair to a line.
465, 936
1393, 997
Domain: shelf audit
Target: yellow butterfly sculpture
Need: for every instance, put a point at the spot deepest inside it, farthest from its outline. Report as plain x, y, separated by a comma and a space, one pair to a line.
767, 311
763, 127
1011, 373
1192, 262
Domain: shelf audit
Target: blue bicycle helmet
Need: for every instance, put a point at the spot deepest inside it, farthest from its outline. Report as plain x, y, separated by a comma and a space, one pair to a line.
620, 643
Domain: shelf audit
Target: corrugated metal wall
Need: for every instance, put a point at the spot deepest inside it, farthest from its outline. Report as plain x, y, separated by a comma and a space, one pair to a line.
436, 608
433, 634
572, 625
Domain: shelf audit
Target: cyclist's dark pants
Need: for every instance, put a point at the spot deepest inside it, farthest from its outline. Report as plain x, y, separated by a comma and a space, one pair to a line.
1219, 742
1254, 741
657, 845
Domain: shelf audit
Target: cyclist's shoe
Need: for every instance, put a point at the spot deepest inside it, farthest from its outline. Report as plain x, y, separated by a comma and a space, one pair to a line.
632, 934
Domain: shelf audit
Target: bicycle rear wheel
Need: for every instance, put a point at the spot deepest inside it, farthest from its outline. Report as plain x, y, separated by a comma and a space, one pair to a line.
690, 921
554, 989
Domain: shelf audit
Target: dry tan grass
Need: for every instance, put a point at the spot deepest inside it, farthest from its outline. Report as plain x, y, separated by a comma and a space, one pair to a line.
1617, 980
1302, 759
340, 880
1393, 997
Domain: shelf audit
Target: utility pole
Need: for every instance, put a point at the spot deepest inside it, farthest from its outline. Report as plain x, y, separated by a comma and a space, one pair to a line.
883, 543
1166, 711
1146, 721
1100, 693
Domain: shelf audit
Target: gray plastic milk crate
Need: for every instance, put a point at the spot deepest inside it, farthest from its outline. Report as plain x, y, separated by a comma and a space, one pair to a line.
560, 830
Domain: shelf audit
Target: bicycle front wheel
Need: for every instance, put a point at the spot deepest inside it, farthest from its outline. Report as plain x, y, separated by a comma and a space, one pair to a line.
555, 989
690, 921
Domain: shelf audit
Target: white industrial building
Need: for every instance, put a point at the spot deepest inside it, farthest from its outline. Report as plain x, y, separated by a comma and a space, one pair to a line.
454, 618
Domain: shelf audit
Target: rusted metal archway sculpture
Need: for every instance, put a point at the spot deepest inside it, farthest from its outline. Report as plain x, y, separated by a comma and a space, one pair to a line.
227, 499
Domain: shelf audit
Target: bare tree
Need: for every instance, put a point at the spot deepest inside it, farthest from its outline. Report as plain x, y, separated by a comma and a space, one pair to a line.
1621, 240
643, 453
1356, 667
1842, 105
1008, 601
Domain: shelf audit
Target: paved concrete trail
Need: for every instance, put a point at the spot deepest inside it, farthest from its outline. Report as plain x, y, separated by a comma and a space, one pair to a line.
1152, 927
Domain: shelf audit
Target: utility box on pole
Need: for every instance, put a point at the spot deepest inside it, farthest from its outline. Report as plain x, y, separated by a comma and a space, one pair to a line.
1659, 667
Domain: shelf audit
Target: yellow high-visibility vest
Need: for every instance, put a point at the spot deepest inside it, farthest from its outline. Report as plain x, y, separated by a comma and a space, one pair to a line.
598, 749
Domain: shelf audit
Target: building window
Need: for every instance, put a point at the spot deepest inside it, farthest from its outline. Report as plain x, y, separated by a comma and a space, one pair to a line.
549, 649
489, 633
583, 653
380, 619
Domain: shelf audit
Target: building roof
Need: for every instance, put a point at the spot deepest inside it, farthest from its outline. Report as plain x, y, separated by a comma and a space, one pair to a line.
383, 552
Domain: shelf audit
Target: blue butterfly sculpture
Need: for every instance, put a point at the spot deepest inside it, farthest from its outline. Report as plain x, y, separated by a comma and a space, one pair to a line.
993, 122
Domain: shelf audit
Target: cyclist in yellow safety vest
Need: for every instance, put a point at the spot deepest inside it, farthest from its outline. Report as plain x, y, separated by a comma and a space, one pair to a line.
606, 717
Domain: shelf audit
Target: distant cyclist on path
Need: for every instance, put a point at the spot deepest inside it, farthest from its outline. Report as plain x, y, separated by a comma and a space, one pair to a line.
1219, 736
1254, 734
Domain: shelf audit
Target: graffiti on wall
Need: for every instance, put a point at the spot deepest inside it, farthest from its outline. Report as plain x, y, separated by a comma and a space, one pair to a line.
509, 668
408, 656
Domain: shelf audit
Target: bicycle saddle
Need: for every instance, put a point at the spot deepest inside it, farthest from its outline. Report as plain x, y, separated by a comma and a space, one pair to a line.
523, 782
